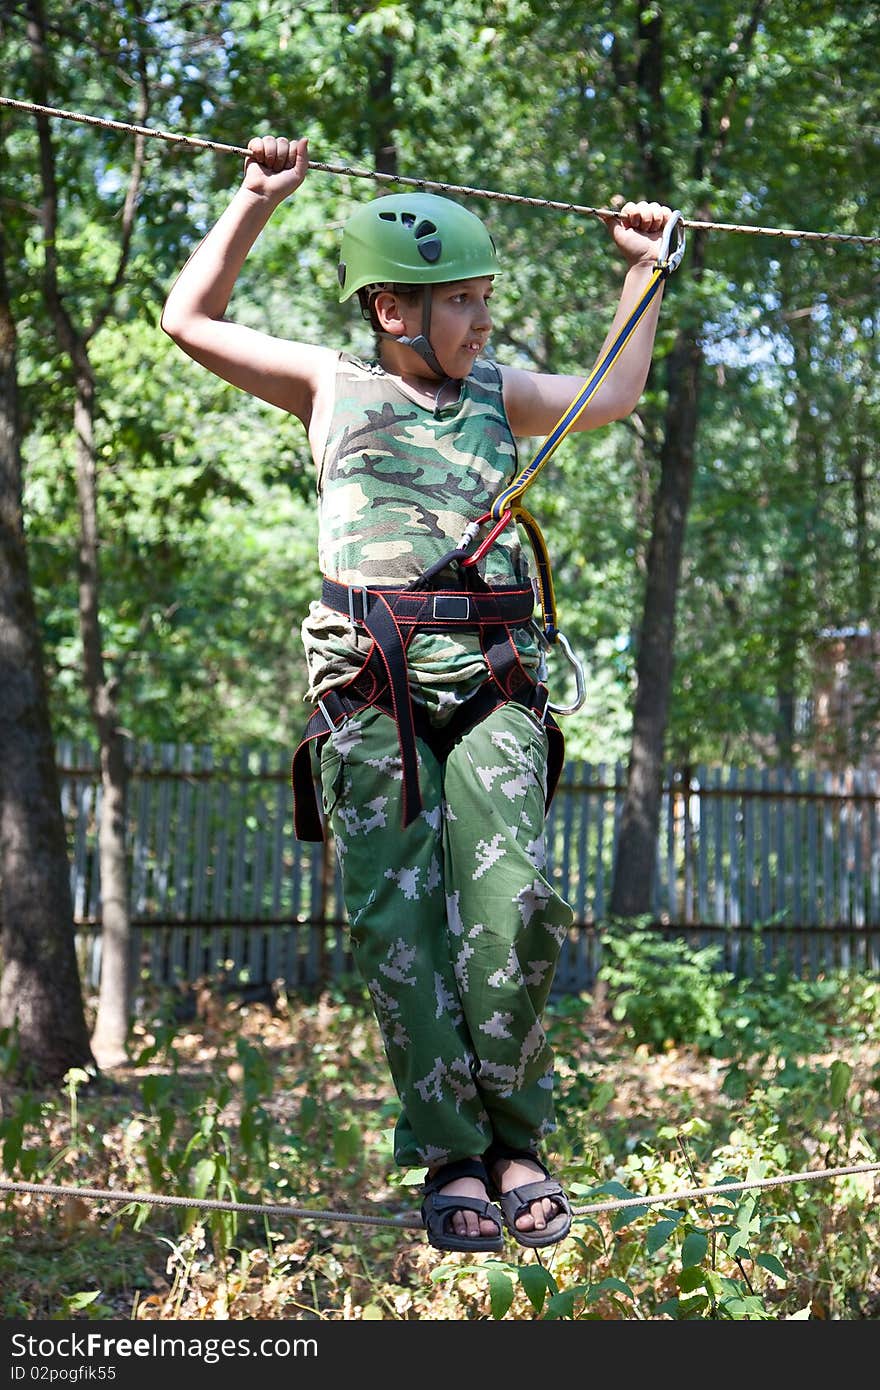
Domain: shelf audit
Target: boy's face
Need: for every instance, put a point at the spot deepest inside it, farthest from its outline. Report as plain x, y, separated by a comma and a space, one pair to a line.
460, 322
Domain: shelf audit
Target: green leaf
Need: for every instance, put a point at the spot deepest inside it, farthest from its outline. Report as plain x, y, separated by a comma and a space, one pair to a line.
82, 1300
12, 1148
693, 1249
610, 1285
602, 1097
562, 1304
691, 1278
771, 1263
501, 1291
689, 1306
623, 1216
346, 1144
537, 1282
659, 1234
670, 1308
202, 1176
841, 1075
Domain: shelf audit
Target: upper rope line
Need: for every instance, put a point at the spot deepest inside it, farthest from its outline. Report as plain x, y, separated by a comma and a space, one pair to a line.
193, 142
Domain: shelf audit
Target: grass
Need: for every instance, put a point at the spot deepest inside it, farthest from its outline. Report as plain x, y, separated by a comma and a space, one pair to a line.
288, 1102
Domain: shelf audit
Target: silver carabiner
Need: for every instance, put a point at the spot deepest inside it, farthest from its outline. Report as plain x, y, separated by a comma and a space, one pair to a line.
669, 257
580, 683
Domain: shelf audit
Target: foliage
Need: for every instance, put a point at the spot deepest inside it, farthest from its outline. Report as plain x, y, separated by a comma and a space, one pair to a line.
665, 993
287, 1103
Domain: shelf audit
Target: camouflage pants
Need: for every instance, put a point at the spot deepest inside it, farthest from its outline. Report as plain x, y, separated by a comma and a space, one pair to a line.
454, 927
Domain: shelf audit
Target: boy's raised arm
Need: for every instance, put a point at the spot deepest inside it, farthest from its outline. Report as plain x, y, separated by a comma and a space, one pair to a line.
284, 373
535, 401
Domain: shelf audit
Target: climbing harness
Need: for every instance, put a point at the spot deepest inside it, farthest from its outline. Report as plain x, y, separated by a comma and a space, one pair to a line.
389, 615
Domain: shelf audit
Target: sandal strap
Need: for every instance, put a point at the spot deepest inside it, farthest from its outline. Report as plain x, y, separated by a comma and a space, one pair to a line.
499, 1152
458, 1168
440, 1205
518, 1198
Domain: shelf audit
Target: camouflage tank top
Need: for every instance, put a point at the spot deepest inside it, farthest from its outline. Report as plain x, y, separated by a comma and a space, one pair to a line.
397, 486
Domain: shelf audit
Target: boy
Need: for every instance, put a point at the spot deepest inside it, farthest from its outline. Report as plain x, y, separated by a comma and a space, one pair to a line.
431, 734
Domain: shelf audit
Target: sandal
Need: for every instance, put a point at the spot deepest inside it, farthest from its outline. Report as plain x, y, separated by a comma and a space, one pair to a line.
517, 1201
437, 1209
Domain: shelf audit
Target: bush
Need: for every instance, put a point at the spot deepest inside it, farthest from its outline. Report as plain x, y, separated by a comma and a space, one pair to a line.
663, 991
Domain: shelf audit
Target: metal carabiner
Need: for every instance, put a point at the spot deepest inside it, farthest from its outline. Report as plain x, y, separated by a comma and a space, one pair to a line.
668, 259
580, 683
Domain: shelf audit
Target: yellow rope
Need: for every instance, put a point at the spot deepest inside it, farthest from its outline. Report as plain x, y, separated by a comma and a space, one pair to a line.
193, 142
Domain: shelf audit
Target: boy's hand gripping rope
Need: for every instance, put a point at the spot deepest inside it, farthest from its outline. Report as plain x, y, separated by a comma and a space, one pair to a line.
507, 506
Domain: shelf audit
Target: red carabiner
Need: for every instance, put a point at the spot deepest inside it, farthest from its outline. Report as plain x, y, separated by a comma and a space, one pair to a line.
476, 556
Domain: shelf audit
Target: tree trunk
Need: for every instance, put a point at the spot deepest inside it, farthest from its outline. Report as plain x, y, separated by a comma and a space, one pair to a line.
787, 657
382, 111
40, 992
864, 575
111, 1026
635, 862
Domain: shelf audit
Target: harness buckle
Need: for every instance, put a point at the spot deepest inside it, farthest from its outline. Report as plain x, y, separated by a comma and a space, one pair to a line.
365, 603
451, 607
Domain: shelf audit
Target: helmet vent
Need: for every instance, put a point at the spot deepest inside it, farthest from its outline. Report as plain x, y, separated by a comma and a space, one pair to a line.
388, 216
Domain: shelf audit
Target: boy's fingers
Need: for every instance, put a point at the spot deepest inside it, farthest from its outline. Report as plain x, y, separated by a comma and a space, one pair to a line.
277, 152
645, 216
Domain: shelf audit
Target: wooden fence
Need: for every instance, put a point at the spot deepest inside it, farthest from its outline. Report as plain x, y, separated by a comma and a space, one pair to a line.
768, 863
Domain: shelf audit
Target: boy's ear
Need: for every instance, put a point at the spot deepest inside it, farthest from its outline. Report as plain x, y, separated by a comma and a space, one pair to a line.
388, 309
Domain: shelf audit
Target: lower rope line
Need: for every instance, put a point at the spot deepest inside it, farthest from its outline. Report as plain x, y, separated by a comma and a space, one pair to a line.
209, 1204
465, 190
413, 1222
721, 1189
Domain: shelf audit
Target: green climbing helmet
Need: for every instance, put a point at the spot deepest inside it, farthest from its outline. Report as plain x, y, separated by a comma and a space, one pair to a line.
413, 239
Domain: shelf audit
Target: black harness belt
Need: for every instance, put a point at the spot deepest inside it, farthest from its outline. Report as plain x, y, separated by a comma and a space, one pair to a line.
391, 614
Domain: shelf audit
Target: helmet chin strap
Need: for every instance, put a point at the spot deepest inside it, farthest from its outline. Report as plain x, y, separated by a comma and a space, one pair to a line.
421, 344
